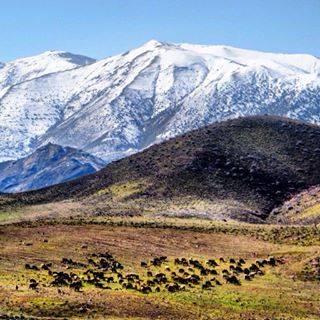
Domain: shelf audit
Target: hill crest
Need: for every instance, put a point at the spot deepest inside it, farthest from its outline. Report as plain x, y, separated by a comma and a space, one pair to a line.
238, 169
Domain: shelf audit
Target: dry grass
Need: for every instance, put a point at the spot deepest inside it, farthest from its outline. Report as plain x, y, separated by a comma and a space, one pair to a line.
278, 294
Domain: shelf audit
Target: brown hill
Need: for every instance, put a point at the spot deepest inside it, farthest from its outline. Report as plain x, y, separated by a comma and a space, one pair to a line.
239, 169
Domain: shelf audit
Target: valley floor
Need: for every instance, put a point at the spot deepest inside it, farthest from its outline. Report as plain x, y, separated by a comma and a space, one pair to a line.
290, 289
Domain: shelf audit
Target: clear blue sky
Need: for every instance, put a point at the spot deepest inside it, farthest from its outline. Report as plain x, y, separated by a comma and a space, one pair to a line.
100, 28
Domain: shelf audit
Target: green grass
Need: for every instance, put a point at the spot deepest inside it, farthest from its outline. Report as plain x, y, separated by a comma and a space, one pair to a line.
279, 294
10, 216
311, 212
120, 191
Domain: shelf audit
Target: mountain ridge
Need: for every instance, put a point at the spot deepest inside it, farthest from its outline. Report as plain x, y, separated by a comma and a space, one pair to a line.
51, 164
152, 93
28, 68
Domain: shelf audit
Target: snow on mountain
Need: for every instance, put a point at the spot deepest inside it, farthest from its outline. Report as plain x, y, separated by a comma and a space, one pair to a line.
122, 104
48, 165
32, 67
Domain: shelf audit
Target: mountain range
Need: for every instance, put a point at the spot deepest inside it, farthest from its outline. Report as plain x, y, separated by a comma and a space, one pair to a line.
122, 104
48, 165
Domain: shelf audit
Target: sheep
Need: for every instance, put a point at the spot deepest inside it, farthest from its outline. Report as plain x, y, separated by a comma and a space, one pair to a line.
207, 285
31, 267
33, 284
145, 289
233, 280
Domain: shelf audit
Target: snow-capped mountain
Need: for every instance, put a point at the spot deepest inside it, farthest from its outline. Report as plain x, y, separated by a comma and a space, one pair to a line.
48, 165
20, 70
122, 104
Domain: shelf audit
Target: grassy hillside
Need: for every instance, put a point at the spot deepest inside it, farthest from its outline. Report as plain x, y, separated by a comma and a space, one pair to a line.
239, 169
302, 208
36, 256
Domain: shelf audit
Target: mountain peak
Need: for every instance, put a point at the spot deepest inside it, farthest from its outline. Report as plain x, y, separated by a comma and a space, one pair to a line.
54, 147
53, 57
32, 67
154, 44
50, 145
74, 58
54, 52
48, 165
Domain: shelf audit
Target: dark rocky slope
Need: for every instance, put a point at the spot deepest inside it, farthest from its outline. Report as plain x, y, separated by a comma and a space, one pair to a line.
254, 163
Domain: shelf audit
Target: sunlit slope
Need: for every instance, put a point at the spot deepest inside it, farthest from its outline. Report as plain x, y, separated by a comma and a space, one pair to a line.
240, 169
